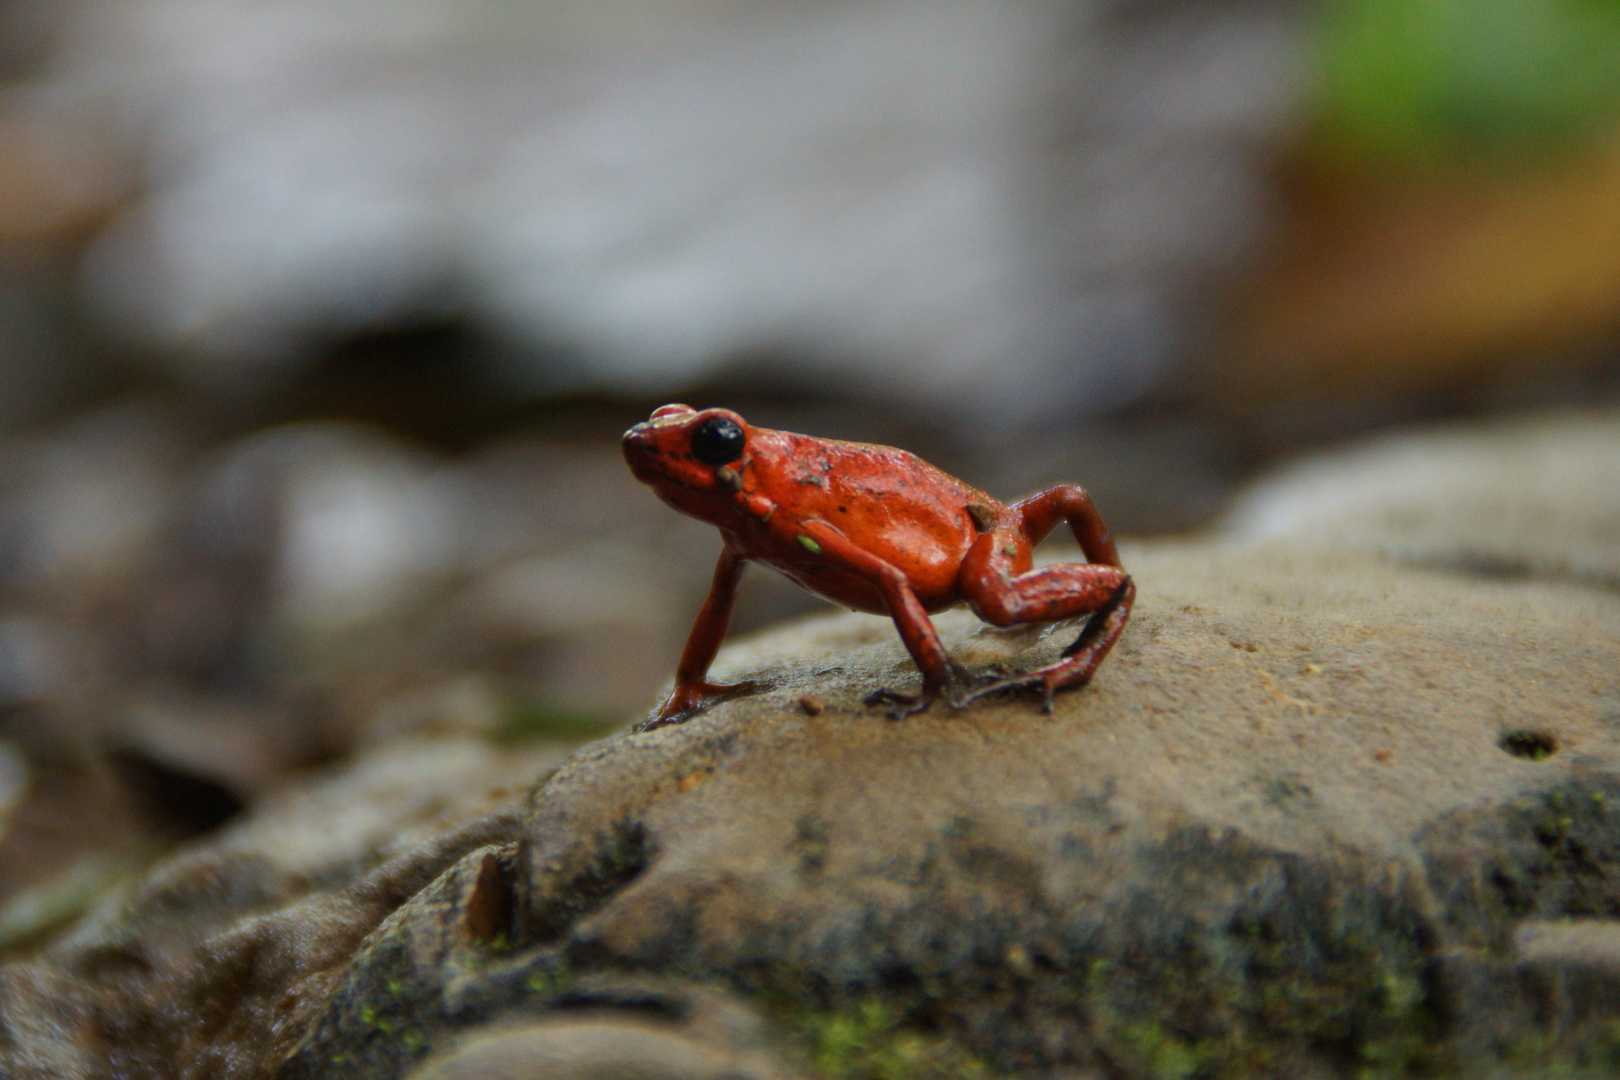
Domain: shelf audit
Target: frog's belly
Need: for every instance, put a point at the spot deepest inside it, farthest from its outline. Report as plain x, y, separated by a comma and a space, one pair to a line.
856, 593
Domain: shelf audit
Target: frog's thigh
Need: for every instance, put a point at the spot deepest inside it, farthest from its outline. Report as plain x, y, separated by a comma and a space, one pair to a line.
1069, 503
1050, 592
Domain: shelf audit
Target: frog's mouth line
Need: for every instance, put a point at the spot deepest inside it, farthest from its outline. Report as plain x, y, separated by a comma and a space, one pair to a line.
644, 466
648, 465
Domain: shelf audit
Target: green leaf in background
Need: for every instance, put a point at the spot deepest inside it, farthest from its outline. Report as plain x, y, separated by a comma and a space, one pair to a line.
529, 718
1437, 79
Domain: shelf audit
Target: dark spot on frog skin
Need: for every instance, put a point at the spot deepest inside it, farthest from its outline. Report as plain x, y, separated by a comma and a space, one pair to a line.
843, 509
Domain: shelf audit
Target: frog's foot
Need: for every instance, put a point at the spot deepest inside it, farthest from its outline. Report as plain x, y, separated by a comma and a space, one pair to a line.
1073, 669
685, 702
906, 704
1078, 663
1049, 680
956, 677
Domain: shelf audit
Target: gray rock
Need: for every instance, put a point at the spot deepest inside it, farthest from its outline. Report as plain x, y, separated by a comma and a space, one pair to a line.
594, 1049
1535, 496
213, 964
1323, 812
1297, 825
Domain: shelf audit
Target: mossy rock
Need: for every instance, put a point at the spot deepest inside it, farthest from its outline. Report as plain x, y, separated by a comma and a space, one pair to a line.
1327, 811
1294, 828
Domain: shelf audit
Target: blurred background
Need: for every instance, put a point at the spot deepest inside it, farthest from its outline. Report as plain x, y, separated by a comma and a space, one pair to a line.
320, 320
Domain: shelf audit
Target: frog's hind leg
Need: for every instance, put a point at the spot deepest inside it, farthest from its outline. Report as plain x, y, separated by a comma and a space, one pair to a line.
1051, 592
1066, 502
1080, 660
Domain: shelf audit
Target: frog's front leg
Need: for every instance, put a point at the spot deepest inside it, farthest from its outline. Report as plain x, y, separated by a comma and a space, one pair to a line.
1002, 598
916, 630
692, 694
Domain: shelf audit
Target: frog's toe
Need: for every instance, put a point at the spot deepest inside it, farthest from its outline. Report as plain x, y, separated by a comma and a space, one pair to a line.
962, 681
685, 702
905, 704
1047, 681
1002, 684
658, 720
990, 678
885, 696
910, 708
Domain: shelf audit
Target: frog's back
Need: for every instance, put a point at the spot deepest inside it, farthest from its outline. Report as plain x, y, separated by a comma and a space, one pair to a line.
888, 501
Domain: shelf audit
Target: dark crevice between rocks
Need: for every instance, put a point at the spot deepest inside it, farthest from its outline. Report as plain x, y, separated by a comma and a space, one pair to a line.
619, 857
488, 915
653, 1002
175, 800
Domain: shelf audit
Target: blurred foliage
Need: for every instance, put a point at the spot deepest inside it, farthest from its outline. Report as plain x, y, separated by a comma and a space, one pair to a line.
1448, 79
525, 718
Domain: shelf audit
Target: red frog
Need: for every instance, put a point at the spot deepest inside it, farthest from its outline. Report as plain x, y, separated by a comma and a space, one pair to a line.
878, 530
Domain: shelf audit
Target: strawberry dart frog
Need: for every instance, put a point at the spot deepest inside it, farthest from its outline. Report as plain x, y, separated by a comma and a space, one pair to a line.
878, 530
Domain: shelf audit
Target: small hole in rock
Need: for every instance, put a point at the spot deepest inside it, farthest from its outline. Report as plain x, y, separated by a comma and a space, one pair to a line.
1531, 745
488, 911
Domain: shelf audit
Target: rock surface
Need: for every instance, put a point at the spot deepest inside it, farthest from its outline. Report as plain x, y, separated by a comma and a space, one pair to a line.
212, 964
1526, 498
1325, 812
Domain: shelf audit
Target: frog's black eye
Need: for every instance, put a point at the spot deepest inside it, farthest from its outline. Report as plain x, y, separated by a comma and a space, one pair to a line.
718, 441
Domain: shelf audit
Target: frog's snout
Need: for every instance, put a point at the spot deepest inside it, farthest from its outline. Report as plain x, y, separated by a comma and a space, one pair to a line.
644, 440
637, 442
647, 450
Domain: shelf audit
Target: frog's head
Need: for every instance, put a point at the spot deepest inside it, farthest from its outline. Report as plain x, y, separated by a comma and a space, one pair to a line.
690, 457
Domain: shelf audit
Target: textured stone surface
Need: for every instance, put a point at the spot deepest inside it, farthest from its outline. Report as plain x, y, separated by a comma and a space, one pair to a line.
595, 1046
1326, 811
1297, 824
1537, 496
213, 964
